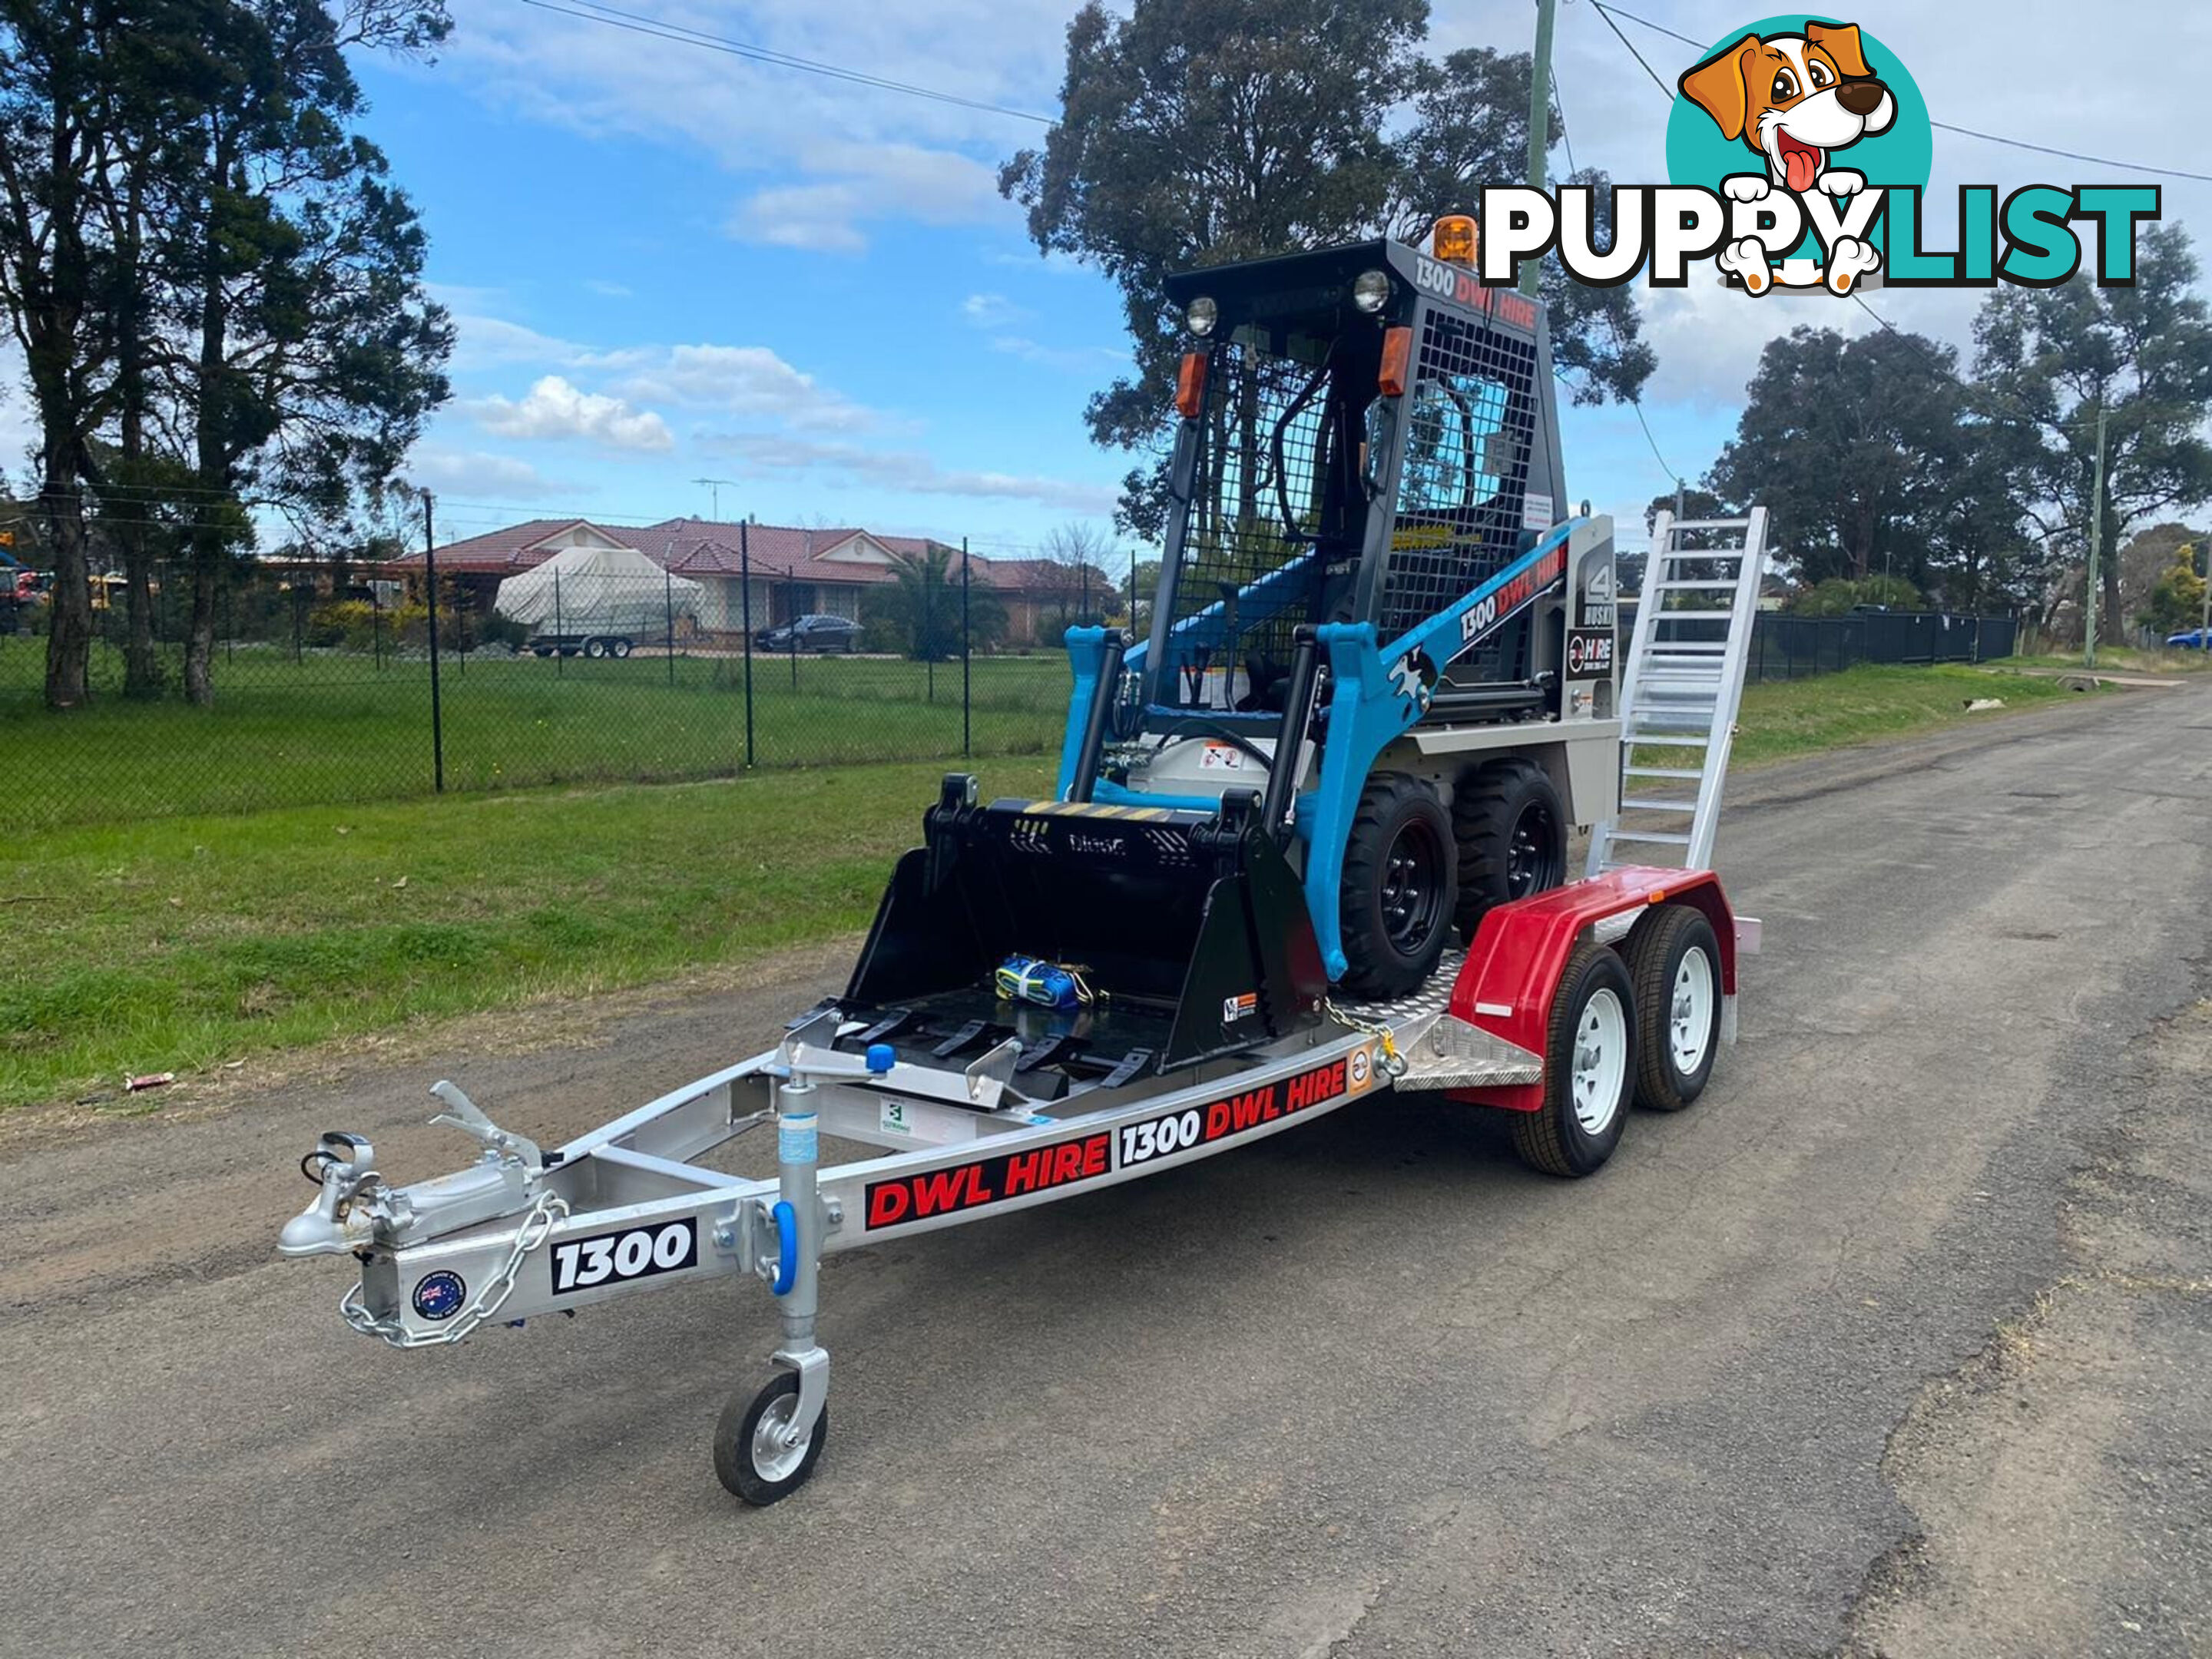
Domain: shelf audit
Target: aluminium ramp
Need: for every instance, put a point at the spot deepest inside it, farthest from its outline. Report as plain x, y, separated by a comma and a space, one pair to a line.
1681, 690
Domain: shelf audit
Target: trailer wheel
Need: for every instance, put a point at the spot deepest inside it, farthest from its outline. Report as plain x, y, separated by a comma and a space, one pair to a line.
621, 647
1673, 961
541, 650
595, 647
1395, 901
750, 1456
1589, 1068
1512, 836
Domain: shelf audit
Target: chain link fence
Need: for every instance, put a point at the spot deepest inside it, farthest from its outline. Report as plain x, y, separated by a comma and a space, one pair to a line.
328, 692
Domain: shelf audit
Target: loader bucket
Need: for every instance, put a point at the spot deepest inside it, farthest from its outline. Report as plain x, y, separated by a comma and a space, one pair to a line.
1190, 928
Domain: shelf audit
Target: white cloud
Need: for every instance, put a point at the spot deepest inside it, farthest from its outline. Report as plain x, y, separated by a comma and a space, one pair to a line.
486, 342
479, 475
750, 380
553, 408
992, 311
909, 471
1074, 360
609, 290
866, 182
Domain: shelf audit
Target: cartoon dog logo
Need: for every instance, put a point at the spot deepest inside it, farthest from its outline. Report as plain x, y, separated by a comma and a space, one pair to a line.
1795, 100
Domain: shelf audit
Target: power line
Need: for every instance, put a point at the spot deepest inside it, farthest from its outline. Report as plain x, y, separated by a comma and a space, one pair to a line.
1608, 13
1637, 404
1605, 14
658, 29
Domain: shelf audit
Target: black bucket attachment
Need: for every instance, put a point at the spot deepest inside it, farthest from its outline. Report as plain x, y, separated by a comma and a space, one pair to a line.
1191, 926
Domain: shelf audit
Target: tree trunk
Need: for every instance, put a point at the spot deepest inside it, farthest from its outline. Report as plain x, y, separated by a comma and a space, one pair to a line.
68, 636
142, 661
211, 464
209, 541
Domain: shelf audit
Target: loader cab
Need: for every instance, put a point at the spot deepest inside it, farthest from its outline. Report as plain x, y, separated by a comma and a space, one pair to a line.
1365, 435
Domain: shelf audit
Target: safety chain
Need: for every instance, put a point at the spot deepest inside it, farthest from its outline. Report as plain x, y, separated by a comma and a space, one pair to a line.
538, 1225
1392, 1061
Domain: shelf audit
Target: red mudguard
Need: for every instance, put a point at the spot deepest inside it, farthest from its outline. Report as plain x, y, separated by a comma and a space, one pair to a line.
1512, 970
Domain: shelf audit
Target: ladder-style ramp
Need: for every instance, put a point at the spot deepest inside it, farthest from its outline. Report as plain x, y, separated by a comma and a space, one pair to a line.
1680, 687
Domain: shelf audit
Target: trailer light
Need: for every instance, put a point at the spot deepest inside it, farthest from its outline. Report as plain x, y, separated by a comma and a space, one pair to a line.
1370, 291
1190, 385
1453, 240
1201, 315
1397, 358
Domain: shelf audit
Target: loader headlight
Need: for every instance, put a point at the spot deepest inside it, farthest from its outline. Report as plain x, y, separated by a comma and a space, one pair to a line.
1370, 291
1201, 315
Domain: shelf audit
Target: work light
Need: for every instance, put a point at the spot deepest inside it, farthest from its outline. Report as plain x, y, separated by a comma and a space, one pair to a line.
1201, 316
1370, 291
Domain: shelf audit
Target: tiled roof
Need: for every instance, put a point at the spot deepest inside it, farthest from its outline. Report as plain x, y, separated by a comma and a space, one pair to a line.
698, 547
516, 548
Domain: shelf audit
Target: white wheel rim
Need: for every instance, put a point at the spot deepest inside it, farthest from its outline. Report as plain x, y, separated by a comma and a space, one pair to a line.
772, 1461
1690, 1013
1600, 1061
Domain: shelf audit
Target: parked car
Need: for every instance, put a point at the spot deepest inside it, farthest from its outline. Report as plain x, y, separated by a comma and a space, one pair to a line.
810, 633
2189, 639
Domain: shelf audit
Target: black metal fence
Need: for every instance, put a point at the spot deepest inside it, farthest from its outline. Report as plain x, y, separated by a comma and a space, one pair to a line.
329, 691
324, 697
1786, 647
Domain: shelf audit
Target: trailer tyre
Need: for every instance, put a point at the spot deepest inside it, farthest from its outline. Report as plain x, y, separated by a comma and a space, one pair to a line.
1512, 836
1589, 1068
621, 647
1674, 963
595, 647
750, 1458
1395, 900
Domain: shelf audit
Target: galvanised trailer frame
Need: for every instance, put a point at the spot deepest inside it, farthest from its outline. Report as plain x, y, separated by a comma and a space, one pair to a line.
629, 1206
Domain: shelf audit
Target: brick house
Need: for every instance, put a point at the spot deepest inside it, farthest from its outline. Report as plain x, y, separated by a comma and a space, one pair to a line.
795, 572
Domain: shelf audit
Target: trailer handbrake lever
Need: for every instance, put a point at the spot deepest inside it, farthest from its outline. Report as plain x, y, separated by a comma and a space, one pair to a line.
463, 1114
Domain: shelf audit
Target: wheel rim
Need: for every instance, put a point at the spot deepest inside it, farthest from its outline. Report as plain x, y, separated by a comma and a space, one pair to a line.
1690, 1013
1532, 853
1413, 888
1600, 1061
772, 1461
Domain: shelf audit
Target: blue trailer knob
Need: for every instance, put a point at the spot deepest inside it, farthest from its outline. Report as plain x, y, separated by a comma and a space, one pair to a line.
881, 1057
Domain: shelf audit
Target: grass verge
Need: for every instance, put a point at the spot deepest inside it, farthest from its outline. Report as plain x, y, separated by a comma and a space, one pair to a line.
2120, 659
179, 943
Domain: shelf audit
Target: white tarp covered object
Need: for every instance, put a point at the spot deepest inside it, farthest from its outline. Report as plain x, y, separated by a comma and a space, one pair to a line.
597, 590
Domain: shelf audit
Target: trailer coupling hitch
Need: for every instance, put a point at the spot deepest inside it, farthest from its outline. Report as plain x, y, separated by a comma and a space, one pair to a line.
355, 1209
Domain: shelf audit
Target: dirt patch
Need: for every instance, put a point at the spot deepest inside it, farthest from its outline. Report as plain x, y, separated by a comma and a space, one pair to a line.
2060, 1478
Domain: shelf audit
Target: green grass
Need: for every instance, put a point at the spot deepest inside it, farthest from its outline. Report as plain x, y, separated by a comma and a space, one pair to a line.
1781, 718
181, 942
184, 942
2122, 658
338, 728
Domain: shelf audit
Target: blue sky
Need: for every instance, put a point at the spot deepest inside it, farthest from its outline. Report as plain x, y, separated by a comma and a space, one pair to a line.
669, 264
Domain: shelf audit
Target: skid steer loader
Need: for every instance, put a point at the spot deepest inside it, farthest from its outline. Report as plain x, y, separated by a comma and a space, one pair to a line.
1377, 686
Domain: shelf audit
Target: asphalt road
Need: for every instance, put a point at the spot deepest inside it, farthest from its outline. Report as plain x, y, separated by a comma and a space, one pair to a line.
1899, 1342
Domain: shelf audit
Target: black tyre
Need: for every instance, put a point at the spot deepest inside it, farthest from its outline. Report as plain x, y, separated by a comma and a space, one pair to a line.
1512, 836
541, 650
1589, 1068
619, 647
595, 647
1395, 900
749, 1458
1674, 963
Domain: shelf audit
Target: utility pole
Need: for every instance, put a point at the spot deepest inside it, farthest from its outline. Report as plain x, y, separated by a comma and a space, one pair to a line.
1539, 123
437, 713
2204, 623
715, 494
2096, 549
